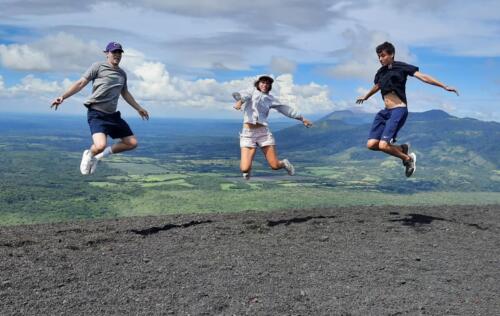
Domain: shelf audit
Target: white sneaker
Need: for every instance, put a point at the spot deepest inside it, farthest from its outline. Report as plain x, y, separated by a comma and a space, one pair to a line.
411, 165
289, 167
93, 165
86, 162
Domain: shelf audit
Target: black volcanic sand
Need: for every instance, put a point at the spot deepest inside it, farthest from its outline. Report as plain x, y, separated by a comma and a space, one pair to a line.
342, 261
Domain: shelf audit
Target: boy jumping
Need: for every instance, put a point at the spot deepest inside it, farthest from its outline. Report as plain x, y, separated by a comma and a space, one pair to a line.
390, 79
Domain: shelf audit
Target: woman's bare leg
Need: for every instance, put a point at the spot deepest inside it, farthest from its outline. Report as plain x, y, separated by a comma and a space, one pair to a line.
247, 155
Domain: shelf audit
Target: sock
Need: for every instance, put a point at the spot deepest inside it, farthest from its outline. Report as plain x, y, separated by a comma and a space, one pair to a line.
104, 154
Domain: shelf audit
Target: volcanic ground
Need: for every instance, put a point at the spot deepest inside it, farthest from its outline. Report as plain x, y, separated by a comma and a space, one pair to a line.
441, 260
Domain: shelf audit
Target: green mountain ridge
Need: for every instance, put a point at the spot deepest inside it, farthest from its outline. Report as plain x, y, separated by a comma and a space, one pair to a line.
456, 153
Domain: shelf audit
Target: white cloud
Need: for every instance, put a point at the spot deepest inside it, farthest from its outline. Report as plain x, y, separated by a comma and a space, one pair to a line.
229, 34
61, 52
163, 94
203, 39
359, 59
31, 94
69, 53
154, 83
23, 57
455, 27
309, 98
32, 85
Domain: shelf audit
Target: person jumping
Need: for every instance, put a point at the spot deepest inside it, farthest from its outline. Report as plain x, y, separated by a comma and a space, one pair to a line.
109, 81
390, 79
256, 103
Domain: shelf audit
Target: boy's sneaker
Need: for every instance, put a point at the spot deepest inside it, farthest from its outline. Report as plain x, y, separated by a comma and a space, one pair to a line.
289, 167
93, 165
411, 165
246, 175
86, 162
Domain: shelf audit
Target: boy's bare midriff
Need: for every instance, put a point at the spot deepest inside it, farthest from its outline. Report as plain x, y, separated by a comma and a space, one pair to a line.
392, 100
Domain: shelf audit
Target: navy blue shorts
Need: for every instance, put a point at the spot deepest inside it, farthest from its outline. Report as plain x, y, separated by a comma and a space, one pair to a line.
109, 124
387, 124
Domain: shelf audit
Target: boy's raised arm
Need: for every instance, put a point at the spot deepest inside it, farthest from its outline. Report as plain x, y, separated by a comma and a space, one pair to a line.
373, 90
430, 80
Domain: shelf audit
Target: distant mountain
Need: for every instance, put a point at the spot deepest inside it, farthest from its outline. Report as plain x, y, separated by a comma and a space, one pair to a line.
426, 130
432, 115
451, 151
348, 117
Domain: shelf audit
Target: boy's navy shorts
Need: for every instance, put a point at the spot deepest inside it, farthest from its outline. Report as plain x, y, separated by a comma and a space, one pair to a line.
387, 124
109, 124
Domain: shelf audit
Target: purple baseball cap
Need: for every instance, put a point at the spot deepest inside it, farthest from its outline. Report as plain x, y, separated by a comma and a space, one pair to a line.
113, 46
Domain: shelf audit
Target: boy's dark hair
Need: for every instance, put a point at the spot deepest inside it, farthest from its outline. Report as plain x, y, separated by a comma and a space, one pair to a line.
387, 47
264, 79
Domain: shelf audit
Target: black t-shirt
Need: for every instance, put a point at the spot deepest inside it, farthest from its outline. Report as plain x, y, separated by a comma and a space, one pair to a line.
392, 78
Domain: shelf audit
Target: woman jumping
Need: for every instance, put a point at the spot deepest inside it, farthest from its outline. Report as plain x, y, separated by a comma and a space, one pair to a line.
256, 104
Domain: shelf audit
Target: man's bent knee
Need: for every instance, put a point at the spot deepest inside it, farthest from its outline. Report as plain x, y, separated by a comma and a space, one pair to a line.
99, 148
384, 146
373, 144
131, 143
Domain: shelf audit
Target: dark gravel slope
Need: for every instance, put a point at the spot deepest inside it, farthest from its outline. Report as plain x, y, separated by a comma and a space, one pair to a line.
346, 261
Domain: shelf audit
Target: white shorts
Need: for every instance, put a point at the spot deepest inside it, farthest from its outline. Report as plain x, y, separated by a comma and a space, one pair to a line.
253, 137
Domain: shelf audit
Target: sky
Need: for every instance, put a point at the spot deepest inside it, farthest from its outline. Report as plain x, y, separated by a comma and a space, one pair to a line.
184, 58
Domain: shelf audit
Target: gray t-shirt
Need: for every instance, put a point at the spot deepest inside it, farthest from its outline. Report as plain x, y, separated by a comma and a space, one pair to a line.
107, 85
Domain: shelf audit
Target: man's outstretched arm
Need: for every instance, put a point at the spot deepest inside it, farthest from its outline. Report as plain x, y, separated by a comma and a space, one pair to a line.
133, 103
74, 88
430, 80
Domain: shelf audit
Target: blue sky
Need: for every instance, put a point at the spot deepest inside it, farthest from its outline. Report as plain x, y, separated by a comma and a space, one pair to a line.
184, 58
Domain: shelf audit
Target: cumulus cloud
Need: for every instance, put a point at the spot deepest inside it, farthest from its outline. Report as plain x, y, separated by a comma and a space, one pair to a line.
23, 57
31, 94
226, 34
32, 85
154, 83
61, 52
164, 94
203, 39
235, 35
419, 24
358, 59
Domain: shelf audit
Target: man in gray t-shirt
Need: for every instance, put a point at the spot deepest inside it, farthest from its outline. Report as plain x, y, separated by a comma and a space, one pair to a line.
109, 81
